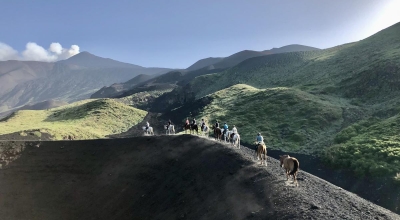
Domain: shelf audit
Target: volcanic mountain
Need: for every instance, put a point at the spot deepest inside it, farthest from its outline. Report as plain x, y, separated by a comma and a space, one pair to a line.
25, 82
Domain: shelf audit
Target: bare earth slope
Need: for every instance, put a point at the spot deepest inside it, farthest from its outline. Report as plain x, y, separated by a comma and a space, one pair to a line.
164, 177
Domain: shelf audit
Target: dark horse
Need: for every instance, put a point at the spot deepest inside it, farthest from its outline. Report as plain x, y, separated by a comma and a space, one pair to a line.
194, 128
217, 133
186, 127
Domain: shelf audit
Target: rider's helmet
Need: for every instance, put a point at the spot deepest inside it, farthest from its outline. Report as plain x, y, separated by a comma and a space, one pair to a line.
225, 123
259, 134
234, 126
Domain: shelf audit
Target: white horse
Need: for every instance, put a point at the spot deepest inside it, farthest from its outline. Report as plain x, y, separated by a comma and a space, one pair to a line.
227, 135
148, 131
205, 130
170, 130
236, 140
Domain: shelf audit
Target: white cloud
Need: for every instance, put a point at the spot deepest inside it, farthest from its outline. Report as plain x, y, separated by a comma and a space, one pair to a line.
7, 52
56, 48
35, 52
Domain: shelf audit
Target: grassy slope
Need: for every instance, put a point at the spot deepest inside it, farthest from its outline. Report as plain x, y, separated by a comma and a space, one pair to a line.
368, 147
289, 119
142, 99
85, 119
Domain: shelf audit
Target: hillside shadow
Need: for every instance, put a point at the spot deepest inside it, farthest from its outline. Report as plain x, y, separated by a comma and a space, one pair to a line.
154, 178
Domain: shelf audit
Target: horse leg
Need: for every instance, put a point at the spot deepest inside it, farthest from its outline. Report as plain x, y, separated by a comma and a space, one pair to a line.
265, 157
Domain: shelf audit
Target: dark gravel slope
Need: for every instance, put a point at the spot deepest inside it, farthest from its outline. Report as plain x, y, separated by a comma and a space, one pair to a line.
162, 177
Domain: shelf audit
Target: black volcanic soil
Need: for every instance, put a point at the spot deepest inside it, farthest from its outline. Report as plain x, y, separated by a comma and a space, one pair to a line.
162, 177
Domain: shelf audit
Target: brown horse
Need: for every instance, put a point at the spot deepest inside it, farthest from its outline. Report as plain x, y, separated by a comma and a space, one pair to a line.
291, 166
262, 151
186, 127
194, 128
217, 133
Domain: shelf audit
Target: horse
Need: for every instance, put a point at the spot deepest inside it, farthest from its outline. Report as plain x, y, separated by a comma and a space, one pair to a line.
193, 128
217, 133
205, 130
262, 151
291, 166
226, 134
148, 131
186, 127
231, 135
235, 139
169, 130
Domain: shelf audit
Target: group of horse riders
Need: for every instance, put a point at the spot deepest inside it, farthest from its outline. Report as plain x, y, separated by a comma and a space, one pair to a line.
290, 164
203, 123
259, 138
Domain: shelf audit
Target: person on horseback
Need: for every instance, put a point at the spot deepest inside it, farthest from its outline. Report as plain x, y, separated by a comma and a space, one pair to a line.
259, 140
169, 123
194, 121
225, 128
187, 121
147, 125
234, 129
216, 124
203, 123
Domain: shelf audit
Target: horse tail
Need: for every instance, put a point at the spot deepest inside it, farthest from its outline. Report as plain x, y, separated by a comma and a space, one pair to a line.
295, 167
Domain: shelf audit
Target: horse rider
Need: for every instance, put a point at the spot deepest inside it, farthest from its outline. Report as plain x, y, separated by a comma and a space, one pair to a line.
169, 123
234, 129
147, 125
187, 121
259, 140
216, 124
225, 128
194, 121
203, 123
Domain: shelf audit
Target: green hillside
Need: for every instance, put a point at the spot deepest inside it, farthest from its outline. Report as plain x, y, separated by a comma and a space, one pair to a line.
289, 119
84, 120
370, 147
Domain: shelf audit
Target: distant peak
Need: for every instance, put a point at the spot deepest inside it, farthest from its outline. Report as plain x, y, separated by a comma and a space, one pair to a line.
84, 53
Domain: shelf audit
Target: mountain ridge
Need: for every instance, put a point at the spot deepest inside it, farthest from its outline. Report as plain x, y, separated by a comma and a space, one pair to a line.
204, 66
24, 82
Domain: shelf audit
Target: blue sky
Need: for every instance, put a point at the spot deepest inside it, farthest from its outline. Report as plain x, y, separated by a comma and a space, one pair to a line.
176, 33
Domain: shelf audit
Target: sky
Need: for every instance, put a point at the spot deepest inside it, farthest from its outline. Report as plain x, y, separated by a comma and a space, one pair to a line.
177, 33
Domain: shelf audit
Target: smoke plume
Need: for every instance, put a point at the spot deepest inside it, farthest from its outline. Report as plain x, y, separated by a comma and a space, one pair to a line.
35, 52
